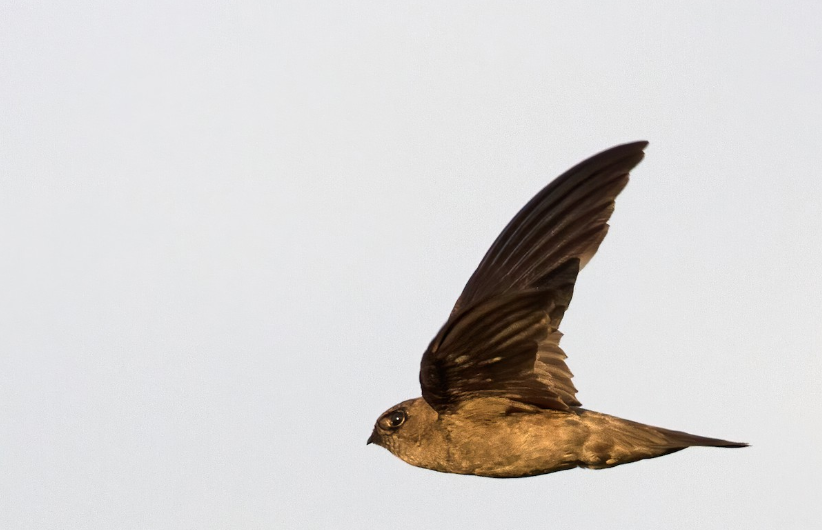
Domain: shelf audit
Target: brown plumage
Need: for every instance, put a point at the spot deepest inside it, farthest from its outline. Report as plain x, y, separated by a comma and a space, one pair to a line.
497, 397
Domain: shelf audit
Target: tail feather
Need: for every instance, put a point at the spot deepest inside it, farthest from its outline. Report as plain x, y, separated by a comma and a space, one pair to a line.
684, 439
613, 441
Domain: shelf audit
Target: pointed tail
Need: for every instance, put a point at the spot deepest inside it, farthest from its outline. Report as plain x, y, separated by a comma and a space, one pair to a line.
613, 441
683, 440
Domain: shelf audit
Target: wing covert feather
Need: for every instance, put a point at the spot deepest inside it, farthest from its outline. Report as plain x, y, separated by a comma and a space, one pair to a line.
491, 349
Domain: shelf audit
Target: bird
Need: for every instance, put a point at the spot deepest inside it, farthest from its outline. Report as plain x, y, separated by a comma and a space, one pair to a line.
497, 396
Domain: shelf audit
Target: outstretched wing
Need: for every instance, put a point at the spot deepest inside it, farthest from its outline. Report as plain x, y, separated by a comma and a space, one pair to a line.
567, 219
502, 337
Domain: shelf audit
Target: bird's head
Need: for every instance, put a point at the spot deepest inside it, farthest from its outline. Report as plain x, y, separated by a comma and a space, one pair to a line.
402, 427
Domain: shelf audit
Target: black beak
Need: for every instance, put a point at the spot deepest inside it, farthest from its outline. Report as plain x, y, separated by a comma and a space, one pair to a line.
373, 438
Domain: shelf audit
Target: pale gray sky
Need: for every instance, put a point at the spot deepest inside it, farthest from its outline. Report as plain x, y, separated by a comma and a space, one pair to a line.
229, 232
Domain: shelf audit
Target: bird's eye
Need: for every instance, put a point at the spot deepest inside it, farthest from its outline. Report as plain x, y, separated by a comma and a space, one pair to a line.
397, 418
394, 419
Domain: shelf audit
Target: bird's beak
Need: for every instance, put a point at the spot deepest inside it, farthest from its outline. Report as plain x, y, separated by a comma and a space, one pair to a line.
373, 438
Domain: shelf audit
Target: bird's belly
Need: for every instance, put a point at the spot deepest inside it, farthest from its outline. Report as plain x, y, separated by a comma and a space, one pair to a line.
517, 446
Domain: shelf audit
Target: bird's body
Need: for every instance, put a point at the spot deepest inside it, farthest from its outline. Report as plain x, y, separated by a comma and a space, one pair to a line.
497, 398
498, 437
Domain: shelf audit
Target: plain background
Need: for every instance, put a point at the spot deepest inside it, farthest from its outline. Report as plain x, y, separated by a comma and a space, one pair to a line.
229, 231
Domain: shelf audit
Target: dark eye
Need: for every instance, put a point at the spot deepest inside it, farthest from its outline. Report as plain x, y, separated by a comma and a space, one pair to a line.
394, 419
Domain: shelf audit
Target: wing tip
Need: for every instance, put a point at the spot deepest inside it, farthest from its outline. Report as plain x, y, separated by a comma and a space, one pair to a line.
638, 145
626, 150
